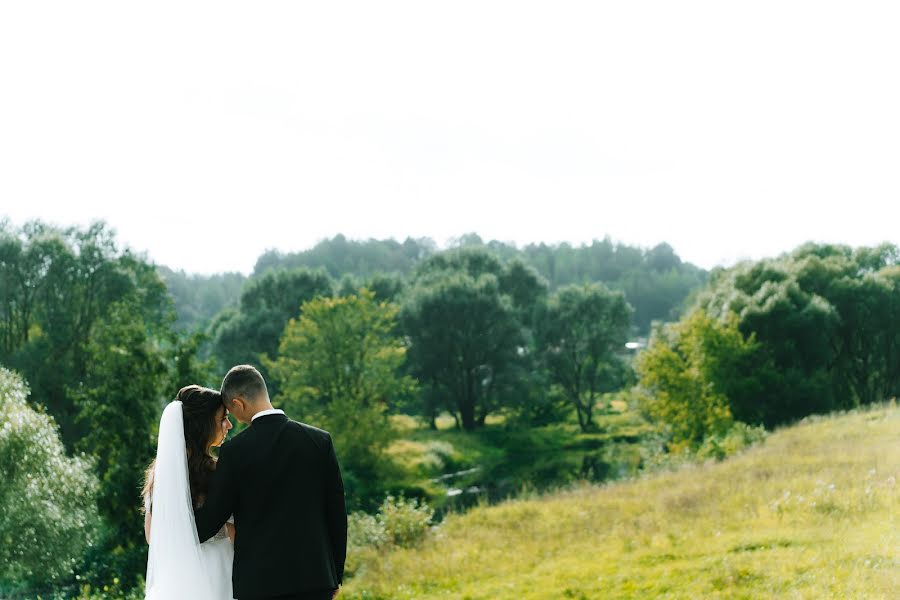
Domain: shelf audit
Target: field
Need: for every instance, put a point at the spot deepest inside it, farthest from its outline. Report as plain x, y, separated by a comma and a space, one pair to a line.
810, 513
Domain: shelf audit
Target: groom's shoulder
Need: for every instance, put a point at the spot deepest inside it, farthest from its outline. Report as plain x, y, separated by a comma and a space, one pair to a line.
317, 434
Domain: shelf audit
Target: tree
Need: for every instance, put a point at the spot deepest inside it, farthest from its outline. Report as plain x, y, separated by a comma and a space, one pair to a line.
465, 339
386, 286
199, 298
119, 403
339, 365
581, 333
267, 304
687, 372
48, 515
824, 316
55, 285
340, 256
525, 287
656, 281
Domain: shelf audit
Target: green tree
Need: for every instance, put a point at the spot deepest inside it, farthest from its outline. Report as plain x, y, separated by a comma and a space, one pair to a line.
687, 372
48, 514
465, 341
824, 317
119, 403
656, 282
582, 334
199, 298
339, 366
55, 285
386, 286
267, 304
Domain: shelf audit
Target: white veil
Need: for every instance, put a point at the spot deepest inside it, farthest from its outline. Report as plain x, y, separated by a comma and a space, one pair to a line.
175, 567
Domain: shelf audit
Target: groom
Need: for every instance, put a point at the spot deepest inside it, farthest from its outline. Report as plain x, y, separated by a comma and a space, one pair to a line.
281, 481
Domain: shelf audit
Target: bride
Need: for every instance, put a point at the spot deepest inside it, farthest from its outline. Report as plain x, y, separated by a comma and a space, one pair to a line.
178, 565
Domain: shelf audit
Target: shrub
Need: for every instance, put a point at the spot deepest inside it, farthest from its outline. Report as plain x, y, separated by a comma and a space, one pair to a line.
737, 438
399, 522
405, 521
48, 512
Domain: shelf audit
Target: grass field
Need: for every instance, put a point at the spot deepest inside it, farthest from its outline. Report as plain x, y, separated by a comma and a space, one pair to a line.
810, 513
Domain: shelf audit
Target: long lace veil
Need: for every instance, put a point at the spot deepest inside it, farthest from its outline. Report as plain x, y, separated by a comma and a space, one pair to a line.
175, 568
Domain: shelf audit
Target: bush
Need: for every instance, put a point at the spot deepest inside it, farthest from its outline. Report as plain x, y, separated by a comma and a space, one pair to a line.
657, 454
399, 522
737, 438
405, 521
48, 512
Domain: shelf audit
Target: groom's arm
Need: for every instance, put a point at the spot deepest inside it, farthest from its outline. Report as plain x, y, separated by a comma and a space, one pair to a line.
220, 499
336, 510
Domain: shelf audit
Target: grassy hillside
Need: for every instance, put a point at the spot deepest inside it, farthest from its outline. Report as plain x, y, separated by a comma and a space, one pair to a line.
810, 513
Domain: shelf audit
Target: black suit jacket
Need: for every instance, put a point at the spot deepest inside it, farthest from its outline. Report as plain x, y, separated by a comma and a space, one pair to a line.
281, 481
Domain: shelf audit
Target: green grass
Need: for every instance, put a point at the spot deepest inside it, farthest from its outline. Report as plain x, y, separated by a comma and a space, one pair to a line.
810, 513
504, 460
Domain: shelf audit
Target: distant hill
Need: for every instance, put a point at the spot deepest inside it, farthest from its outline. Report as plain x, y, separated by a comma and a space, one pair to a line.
811, 513
199, 298
655, 280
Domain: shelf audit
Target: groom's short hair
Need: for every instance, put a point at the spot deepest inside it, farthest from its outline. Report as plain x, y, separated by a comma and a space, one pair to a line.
243, 381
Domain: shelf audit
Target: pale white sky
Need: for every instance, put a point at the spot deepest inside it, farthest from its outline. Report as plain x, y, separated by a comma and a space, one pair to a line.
205, 133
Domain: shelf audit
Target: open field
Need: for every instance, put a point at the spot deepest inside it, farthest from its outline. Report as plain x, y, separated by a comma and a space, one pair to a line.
810, 513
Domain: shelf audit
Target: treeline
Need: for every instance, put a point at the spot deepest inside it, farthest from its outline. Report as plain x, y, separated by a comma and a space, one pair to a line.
482, 335
772, 341
199, 298
655, 281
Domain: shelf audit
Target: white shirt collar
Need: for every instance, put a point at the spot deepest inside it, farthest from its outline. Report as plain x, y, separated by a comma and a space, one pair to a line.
271, 411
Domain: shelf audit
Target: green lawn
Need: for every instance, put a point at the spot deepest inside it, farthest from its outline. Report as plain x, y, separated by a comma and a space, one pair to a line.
810, 513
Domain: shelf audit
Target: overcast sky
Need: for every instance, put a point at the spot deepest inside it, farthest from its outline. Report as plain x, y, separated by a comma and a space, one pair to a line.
205, 133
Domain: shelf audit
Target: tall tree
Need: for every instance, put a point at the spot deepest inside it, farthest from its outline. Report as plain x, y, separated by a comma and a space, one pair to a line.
57, 284
465, 338
119, 402
824, 315
339, 364
267, 304
582, 333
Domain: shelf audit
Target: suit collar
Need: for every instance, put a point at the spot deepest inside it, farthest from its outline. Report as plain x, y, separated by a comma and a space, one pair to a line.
269, 418
265, 413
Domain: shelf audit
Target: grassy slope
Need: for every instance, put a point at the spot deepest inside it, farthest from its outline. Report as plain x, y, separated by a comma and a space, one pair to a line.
811, 513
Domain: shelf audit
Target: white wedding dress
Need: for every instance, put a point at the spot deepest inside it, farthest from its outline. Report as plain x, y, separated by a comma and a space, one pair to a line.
179, 567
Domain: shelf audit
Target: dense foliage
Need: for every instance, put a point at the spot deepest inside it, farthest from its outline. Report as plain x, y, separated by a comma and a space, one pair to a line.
47, 512
582, 335
199, 298
339, 367
772, 341
655, 281
90, 327
253, 330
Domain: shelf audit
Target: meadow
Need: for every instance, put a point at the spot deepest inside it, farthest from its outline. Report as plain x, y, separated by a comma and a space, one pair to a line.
809, 513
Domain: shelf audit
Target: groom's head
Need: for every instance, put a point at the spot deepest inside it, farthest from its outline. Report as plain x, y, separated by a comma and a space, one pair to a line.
244, 392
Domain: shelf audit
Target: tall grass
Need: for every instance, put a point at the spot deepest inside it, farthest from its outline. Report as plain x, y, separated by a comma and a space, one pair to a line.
810, 513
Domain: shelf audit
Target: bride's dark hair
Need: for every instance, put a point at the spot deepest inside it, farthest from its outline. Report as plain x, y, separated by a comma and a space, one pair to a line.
199, 407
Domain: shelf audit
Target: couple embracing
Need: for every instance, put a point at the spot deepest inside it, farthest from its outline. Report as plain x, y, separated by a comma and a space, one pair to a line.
265, 520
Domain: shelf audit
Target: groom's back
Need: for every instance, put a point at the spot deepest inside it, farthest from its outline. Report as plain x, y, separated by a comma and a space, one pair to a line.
289, 509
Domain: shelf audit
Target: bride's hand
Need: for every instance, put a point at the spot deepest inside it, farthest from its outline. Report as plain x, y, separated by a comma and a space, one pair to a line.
230, 528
